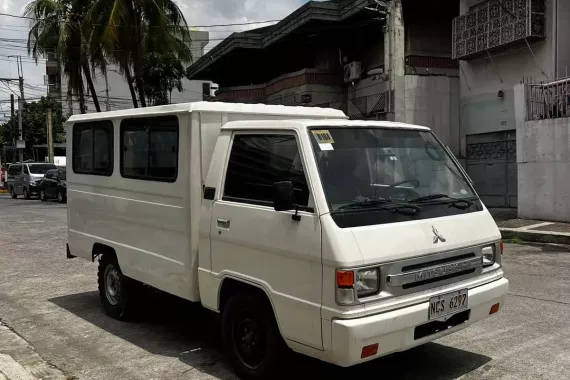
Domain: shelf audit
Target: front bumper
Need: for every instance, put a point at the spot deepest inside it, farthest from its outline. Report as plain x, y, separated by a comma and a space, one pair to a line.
34, 190
394, 331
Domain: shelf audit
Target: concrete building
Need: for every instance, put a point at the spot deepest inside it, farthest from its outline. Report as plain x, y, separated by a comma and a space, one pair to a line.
372, 59
113, 92
499, 43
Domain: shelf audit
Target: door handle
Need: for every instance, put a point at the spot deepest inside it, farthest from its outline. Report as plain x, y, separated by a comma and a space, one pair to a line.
223, 223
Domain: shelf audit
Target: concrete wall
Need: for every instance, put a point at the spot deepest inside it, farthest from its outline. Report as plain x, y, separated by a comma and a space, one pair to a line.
433, 101
482, 110
543, 160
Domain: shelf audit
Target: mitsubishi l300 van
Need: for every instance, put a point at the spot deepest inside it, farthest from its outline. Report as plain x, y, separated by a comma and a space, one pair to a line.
342, 240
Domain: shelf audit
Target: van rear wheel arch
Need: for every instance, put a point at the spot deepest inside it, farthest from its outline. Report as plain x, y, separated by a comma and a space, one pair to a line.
102, 249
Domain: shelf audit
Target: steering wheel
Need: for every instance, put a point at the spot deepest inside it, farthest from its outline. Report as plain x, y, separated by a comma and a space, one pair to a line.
415, 183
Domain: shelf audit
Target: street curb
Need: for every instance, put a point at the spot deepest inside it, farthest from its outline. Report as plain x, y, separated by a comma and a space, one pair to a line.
536, 236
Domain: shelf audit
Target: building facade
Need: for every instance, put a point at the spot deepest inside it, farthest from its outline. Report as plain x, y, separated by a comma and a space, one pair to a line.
499, 44
386, 60
113, 91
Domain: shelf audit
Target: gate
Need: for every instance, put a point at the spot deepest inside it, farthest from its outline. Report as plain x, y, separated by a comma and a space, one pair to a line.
492, 165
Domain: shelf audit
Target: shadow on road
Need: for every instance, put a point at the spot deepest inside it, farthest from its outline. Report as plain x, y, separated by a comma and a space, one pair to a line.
170, 326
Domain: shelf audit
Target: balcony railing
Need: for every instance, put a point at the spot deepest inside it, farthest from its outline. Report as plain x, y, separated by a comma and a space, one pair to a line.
497, 25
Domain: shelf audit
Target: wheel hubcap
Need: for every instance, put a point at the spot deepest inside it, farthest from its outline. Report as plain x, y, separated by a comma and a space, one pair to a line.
249, 342
112, 285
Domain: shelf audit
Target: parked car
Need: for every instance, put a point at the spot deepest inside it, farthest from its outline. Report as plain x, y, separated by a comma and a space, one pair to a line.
54, 185
23, 178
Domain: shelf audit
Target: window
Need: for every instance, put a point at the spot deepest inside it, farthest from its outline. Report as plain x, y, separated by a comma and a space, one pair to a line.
26, 171
257, 162
61, 174
49, 174
150, 148
14, 170
41, 168
93, 148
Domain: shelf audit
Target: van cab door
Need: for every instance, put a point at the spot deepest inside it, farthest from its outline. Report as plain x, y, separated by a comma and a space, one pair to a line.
272, 250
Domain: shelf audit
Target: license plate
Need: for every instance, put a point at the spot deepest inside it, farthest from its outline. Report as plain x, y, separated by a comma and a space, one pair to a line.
449, 303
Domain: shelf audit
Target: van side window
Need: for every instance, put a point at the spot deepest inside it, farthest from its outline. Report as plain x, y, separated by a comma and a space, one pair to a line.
14, 170
93, 148
149, 148
257, 161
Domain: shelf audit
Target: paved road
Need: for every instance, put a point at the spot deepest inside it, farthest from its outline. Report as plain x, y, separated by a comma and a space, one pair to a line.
52, 303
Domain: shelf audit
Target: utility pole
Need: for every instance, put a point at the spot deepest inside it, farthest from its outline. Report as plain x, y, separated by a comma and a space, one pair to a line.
21, 143
49, 136
13, 119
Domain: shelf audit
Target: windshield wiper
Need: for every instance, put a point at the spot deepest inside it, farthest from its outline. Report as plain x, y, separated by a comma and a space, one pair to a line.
453, 202
383, 204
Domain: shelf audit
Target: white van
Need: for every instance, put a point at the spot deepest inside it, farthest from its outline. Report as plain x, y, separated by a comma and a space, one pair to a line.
342, 240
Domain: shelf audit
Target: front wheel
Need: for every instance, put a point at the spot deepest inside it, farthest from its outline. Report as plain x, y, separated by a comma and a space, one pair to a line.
43, 196
251, 337
26, 193
61, 198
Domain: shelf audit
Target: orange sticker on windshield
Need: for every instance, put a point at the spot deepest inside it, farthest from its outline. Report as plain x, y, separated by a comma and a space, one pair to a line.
323, 137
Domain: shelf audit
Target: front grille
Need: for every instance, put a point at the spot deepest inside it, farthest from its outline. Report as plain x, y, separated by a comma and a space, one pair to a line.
427, 264
437, 279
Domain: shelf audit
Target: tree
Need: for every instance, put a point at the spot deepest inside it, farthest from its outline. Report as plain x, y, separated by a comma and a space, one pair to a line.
127, 31
58, 27
34, 124
161, 75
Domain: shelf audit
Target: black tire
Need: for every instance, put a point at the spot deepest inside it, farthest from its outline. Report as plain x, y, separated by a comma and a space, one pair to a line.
61, 197
259, 356
26, 193
43, 196
119, 306
13, 193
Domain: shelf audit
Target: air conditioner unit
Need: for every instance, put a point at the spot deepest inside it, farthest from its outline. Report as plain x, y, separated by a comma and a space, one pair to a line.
352, 71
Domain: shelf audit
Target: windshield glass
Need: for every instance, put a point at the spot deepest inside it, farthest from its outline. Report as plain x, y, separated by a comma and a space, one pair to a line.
379, 167
41, 168
62, 174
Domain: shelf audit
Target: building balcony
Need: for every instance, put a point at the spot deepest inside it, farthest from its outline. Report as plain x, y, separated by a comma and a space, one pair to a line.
495, 25
306, 80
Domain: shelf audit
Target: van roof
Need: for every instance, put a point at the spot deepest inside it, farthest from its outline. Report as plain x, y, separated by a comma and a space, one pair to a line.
264, 109
304, 124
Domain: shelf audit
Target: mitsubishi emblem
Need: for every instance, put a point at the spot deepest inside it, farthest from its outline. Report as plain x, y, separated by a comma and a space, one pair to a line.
437, 236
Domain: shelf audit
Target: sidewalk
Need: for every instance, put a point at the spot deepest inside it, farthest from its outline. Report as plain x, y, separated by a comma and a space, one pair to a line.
530, 230
19, 361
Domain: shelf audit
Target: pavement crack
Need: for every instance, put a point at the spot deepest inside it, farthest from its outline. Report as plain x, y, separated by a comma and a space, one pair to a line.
539, 299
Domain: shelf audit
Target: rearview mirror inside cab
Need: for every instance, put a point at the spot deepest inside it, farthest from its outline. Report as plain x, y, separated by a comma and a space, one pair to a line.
283, 196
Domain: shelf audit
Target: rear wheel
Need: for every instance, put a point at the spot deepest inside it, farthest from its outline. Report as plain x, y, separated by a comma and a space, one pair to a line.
26, 193
115, 290
13, 193
43, 196
251, 337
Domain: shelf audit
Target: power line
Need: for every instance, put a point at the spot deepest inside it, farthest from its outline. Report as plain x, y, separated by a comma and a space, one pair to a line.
143, 26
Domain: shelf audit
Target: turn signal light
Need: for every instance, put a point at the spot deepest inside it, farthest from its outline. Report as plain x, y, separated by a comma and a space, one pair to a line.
344, 278
494, 309
368, 351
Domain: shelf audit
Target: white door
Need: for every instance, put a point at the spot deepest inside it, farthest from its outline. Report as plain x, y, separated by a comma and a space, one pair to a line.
250, 240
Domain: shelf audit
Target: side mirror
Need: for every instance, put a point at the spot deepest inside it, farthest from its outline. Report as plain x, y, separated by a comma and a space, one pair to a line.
283, 196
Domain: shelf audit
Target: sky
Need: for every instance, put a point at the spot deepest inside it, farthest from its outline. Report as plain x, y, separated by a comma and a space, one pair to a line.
197, 12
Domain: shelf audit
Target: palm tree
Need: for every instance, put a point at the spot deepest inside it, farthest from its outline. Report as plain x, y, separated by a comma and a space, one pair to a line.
128, 30
57, 27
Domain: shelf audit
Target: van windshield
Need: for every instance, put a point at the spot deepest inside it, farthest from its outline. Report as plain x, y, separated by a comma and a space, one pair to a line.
41, 168
374, 171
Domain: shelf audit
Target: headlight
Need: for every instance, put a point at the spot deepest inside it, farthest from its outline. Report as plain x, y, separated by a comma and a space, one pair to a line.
33, 183
354, 284
367, 282
488, 255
